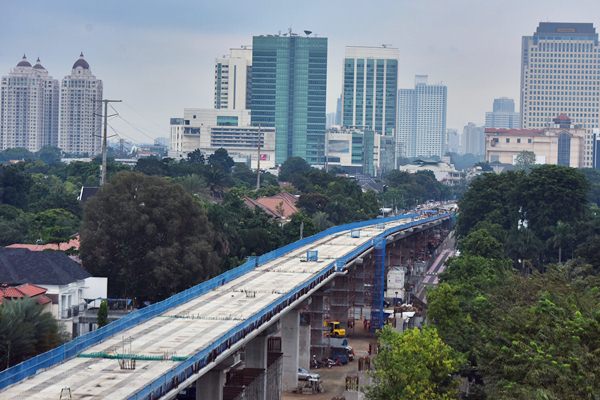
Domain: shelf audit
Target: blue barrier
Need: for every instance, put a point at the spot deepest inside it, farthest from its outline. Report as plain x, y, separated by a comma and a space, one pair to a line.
192, 365
71, 349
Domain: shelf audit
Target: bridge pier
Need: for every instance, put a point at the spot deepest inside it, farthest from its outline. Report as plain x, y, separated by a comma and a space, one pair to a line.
256, 357
210, 385
290, 343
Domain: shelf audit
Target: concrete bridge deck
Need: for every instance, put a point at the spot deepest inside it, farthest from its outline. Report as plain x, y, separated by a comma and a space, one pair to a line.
187, 329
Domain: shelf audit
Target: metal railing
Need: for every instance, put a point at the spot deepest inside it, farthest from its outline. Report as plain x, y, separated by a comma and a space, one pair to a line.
70, 349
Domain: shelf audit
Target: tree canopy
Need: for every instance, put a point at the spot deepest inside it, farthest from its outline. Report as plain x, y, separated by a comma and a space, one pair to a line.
149, 237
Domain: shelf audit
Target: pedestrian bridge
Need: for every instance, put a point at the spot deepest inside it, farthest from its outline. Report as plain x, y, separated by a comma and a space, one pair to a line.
154, 352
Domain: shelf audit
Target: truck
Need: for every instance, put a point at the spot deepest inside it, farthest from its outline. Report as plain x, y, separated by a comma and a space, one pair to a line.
335, 329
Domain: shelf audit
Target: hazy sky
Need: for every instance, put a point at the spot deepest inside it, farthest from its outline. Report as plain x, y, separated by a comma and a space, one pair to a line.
158, 56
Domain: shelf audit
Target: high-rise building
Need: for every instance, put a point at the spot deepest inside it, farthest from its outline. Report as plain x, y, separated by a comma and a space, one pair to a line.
80, 111
338, 111
503, 115
289, 82
369, 97
473, 139
560, 67
28, 108
452, 141
233, 79
421, 120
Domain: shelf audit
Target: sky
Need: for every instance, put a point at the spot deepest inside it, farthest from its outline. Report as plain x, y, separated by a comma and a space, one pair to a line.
158, 56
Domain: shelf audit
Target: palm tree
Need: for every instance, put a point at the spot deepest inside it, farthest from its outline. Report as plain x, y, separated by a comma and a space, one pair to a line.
25, 330
560, 237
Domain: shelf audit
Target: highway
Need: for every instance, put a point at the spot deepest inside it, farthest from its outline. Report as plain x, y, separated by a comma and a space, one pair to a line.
186, 329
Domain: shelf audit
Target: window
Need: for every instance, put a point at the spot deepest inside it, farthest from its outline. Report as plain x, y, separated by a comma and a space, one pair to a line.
507, 140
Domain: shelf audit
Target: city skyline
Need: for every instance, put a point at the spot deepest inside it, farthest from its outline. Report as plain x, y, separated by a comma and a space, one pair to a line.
129, 49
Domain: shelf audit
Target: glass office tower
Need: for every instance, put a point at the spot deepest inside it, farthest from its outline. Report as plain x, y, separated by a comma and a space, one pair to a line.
370, 88
289, 81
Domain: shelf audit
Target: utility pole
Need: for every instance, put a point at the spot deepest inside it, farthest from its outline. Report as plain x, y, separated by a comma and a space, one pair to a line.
104, 139
258, 160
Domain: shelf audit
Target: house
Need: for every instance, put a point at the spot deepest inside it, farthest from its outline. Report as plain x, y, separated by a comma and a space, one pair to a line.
281, 205
67, 284
37, 293
72, 244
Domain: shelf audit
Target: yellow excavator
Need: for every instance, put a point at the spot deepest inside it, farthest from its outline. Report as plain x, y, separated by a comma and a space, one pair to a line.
335, 329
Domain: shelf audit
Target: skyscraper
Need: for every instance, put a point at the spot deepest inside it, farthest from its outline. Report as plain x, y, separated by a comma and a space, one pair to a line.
289, 82
80, 111
28, 107
503, 115
560, 69
473, 139
421, 120
370, 88
233, 79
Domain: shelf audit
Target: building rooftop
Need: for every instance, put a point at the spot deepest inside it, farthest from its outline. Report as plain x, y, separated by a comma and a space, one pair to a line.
81, 63
19, 266
281, 205
25, 290
515, 132
24, 62
71, 244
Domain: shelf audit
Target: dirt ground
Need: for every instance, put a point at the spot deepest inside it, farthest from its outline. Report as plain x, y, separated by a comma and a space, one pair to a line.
334, 379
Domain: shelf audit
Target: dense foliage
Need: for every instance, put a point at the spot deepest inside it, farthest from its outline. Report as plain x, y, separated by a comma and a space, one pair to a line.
529, 328
414, 365
25, 331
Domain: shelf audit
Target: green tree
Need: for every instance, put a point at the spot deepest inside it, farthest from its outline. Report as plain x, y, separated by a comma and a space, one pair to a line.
291, 167
25, 331
102, 318
220, 159
414, 365
54, 226
50, 155
481, 243
525, 160
196, 157
149, 237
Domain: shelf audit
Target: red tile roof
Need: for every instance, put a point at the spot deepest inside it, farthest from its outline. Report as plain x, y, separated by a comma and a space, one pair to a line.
281, 205
25, 290
515, 132
71, 244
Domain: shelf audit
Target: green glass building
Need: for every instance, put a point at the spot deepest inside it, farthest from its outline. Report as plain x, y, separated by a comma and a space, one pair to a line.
369, 98
289, 81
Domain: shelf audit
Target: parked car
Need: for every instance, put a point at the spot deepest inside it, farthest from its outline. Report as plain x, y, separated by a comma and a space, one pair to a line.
305, 375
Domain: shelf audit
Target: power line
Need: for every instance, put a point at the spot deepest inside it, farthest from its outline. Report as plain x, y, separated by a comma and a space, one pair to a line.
136, 128
143, 116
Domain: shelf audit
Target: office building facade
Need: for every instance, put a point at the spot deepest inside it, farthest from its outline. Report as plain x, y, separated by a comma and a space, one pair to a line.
81, 111
503, 115
560, 73
289, 82
28, 108
369, 98
233, 79
421, 120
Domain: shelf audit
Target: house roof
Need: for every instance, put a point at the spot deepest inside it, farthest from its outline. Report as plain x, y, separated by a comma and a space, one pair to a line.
87, 192
25, 290
71, 244
19, 266
281, 205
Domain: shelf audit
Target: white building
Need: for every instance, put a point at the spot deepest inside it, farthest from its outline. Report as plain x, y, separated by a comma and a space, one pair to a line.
560, 66
28, 108
443, 170
421, 120
211, 129
81, 111
233, 79
473, 139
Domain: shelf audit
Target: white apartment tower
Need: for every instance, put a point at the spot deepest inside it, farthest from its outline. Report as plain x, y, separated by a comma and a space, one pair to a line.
560, 66
80, 111
28, 108
233, 79
421, 120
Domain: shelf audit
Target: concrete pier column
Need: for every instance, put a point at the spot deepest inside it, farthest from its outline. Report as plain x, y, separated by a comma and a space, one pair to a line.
256, 357
304, 343
210, 385
290, 343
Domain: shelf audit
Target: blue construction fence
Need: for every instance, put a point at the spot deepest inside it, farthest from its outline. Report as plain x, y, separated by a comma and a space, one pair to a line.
72, 348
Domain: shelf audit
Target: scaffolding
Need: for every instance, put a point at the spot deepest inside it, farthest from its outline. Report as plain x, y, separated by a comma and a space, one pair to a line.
377, 303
